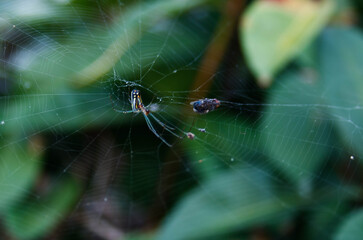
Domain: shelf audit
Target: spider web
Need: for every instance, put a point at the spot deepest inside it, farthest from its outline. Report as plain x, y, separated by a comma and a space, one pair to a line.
69, 160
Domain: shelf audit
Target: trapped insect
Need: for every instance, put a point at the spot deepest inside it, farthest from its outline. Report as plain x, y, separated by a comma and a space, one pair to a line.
202, 130
137, 107
190, 135
203, 106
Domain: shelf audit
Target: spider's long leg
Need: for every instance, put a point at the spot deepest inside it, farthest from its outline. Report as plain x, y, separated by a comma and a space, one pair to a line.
154, 131
167, 128
161, 123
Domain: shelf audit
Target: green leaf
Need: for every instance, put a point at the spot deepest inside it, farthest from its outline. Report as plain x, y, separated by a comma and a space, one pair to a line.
294, 131
134, 23
327, 208
139, 236
35, 218
233, 200
53, 67
19, 167
341, 69
32, 12
227, 140
274, 32
66, 112
352, 227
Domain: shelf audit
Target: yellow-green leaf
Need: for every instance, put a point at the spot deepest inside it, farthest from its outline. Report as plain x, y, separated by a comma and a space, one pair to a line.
272, 33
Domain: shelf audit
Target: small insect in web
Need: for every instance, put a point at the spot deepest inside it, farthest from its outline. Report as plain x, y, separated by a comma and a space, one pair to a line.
203, 106
137, 107
202, 130
190, 135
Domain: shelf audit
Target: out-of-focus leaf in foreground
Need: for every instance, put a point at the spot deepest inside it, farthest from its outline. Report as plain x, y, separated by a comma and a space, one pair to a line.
228, 140
326, 215
19, 167
33, 219
341, 64
132, 30
139, 236
53, 67
294, 130
351, 228
232, 200
32, 12
41, 113
273, 32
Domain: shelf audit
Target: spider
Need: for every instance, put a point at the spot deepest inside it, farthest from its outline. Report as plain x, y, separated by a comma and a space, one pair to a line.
137, 107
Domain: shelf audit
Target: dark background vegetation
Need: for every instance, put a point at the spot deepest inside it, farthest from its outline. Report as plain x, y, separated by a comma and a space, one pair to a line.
280, 159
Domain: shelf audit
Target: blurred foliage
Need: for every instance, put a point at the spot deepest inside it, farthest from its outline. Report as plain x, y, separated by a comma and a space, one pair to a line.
280, 159
351, 227
341, 75
231, 199
37, 218
313, 130
273, 33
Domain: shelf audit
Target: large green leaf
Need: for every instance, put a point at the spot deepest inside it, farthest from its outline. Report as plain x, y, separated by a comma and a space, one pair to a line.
352, 227
329, 205
19, 167
134, 23
63, 112
341, 63
92, 51
273, 32
235, 199
84, 56
34, 218
295, 134
226, 140
32, 12
139, 236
